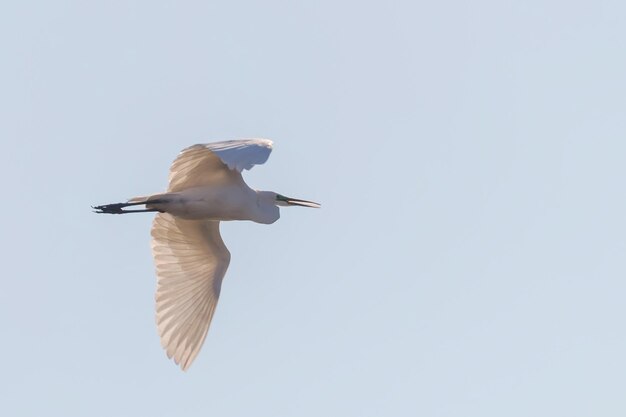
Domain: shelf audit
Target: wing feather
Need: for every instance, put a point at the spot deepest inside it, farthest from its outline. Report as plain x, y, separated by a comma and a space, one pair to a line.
217, 162
191, 261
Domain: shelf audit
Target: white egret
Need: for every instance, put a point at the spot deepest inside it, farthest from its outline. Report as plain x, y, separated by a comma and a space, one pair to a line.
205, 187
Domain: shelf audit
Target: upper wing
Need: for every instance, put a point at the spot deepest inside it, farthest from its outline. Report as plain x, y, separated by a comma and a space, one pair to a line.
191, 260
217, 163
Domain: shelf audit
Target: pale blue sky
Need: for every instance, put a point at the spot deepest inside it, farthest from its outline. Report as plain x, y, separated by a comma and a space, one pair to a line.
469, 256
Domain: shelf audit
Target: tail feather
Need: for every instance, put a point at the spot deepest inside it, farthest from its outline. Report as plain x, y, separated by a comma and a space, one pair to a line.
154, 198
139, 199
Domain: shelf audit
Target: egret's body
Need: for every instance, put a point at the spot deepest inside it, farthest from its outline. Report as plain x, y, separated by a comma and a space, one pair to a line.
213, 203
205, 187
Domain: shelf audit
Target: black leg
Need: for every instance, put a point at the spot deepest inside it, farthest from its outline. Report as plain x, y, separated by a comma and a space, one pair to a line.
117, 208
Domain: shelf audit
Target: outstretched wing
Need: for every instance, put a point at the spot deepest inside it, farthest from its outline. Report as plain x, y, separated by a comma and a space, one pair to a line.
217, 163
191, 260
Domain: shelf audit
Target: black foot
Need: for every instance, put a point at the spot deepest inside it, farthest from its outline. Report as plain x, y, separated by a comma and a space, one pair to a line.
115, 208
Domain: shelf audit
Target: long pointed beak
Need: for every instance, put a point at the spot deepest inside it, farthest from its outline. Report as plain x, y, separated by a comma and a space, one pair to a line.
297, 202
303, 203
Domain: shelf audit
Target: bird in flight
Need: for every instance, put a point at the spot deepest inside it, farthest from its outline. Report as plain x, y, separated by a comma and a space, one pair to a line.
205, 187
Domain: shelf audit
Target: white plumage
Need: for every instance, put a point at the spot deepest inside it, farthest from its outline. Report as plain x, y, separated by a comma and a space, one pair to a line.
205, 187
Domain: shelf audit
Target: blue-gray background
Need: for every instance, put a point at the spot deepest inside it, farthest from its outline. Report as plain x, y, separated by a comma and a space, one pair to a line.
468, 259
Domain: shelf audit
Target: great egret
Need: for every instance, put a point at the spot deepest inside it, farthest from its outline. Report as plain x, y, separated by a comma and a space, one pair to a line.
205, 187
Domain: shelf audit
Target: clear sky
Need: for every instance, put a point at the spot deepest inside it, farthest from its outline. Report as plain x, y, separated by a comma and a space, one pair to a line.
468, 259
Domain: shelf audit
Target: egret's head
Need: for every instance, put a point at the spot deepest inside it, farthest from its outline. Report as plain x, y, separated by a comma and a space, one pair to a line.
267, 206
281, 200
